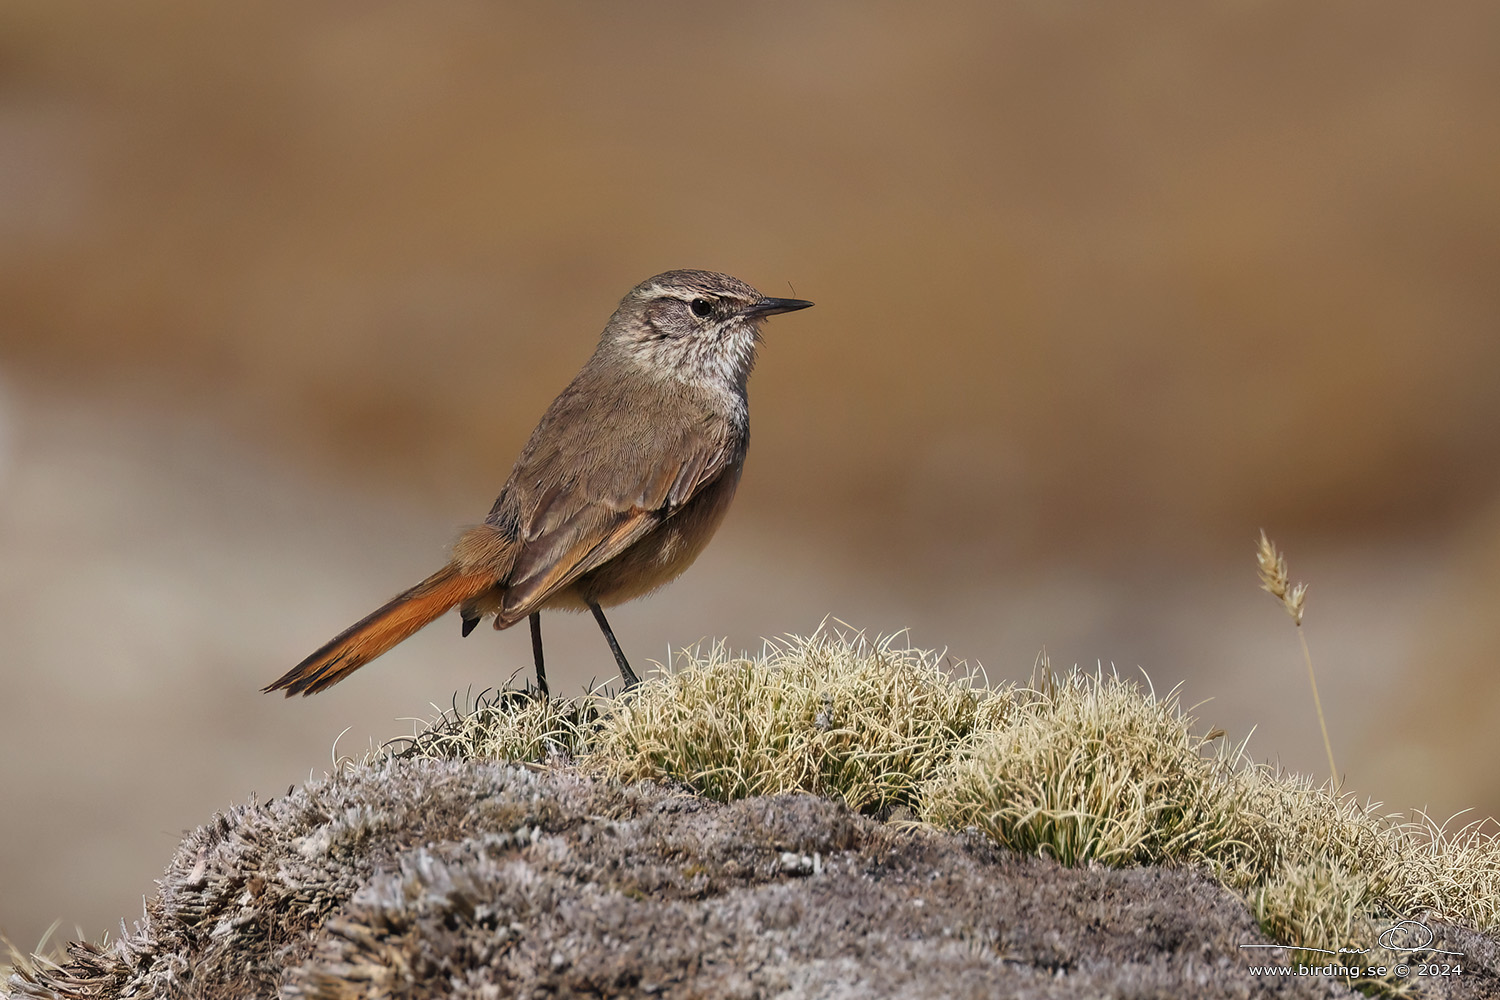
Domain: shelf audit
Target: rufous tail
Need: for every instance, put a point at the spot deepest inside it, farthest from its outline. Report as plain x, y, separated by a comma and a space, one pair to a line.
383, 628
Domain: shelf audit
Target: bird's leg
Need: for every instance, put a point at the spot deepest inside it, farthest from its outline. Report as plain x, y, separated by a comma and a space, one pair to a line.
536, 652
614, 647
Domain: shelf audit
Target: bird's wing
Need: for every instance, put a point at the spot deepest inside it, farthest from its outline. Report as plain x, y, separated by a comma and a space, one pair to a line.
597, 505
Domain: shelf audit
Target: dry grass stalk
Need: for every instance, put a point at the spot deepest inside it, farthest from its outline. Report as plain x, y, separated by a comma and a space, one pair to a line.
1275, 581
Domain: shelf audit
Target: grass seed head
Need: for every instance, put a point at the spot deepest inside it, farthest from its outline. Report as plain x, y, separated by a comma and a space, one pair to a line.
1276, 581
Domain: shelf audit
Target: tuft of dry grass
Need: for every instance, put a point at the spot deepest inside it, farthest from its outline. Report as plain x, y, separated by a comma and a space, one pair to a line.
49, 954
1410, 865
1320, 907
501, 724
1089, 768
863, 722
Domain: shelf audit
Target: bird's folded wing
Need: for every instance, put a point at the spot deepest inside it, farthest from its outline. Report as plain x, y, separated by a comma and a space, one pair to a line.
581, 522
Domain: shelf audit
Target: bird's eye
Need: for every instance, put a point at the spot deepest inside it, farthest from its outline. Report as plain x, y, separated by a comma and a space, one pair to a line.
701, 307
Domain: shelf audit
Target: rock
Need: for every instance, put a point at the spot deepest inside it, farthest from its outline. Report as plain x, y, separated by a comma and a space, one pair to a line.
425, 879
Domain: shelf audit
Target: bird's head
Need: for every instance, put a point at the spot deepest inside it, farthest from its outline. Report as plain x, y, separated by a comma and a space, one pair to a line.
694, 325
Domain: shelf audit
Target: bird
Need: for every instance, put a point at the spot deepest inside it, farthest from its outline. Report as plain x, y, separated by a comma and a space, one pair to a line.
621, 485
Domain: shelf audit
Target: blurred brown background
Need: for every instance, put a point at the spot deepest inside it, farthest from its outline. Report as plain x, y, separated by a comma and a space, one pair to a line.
1102, 290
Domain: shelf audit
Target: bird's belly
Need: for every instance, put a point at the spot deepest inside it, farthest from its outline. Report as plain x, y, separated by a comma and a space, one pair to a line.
658, 558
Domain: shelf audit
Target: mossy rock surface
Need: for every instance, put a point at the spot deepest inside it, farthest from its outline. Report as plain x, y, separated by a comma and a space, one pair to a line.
429, 878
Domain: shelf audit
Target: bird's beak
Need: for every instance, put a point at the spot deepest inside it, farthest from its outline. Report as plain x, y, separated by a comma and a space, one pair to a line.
770, 307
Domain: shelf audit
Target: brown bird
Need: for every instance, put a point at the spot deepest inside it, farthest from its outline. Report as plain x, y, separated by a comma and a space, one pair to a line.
620, 487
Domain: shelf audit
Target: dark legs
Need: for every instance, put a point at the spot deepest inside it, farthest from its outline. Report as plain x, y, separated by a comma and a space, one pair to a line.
614, 647
536, 652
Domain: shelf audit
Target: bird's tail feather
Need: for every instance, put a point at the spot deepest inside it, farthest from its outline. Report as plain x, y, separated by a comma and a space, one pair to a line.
383, 628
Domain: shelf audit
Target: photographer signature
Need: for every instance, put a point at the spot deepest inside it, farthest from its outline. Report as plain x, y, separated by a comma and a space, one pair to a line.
1406, 935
